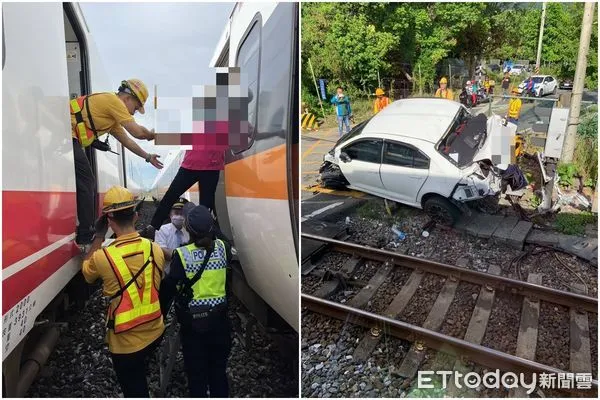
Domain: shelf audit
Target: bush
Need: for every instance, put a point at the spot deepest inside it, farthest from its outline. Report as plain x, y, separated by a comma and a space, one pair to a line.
574, 224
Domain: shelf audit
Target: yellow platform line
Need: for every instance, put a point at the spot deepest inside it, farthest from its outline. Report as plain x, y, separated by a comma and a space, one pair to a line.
310, 149
350, 193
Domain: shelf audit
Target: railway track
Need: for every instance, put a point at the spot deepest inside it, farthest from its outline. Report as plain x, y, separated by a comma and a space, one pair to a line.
369, 300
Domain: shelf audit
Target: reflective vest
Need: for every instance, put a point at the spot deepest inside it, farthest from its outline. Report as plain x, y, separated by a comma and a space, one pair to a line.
209, 290
137, 305
84, 134
380, 104
514, 108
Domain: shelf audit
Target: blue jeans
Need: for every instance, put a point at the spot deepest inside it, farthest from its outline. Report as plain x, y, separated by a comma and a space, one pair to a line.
343, 120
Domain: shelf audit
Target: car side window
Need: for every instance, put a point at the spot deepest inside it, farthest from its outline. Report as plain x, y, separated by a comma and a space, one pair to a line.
404, 156
550, 79
365, 150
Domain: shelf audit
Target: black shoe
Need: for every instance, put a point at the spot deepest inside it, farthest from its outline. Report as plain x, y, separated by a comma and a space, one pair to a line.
148, 232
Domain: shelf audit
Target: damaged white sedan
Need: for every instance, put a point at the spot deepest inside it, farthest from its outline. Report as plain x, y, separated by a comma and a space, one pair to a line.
428, 153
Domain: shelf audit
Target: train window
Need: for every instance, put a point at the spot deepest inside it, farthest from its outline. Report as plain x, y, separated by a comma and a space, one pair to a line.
248, 60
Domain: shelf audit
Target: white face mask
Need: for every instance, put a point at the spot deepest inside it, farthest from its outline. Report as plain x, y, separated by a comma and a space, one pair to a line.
177, 220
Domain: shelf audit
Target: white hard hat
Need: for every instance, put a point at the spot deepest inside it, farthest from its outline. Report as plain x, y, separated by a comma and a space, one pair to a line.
468, 82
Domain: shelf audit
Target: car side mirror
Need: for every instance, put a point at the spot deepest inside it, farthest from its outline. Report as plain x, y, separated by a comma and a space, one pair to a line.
345, 157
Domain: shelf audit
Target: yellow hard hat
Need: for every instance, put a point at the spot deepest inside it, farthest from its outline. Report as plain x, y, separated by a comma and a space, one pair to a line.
138, 89
118, 198
515, 90
443, 80
379, 92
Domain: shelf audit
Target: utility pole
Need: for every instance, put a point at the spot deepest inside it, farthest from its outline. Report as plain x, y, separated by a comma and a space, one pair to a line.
539, 50
316, 87
577, 92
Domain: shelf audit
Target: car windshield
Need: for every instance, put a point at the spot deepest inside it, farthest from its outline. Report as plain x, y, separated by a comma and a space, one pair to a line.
354, 132
538, 79
465, 137
518, 66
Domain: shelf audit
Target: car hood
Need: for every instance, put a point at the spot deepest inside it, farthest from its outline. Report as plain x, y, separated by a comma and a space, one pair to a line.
498, 142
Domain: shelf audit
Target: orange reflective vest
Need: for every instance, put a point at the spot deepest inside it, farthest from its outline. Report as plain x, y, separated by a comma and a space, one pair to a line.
84, 134
138, 304
380, 104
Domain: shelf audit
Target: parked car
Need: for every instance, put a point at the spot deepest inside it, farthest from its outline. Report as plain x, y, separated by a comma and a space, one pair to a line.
517, 69
427, 153
566, 84
542, 85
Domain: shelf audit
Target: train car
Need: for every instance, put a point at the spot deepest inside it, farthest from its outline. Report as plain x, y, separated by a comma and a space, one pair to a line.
257, 195
42, 69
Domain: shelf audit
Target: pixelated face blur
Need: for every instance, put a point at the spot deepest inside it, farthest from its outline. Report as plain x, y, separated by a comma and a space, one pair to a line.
443, 85
219, 117
340, 91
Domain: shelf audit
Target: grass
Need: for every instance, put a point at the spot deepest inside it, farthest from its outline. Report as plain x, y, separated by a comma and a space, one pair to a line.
375, 209
574, 224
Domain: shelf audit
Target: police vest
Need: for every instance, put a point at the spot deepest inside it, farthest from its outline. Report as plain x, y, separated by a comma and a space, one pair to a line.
137, 305
83, 133
209, 290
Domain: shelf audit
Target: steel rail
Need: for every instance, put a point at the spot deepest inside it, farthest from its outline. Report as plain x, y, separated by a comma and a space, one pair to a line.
447, 344
577, 301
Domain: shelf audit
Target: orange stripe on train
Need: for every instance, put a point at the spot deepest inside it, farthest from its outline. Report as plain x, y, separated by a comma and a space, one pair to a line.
259, 176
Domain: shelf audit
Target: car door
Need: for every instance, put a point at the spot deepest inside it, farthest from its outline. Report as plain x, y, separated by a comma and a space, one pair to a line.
404, 170
551, 84
361, 168
544, 85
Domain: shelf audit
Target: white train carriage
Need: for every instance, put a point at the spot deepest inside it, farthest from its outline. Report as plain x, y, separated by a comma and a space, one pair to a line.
257, 196
49, 57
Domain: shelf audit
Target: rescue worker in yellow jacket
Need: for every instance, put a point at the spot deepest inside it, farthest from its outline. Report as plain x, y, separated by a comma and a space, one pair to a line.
91, 117
131, 269
443, 91
514, 108
381, 101
196, 282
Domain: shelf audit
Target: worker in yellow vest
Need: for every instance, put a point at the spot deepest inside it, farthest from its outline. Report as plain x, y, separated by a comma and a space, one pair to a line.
381, 101
91, 117
131, 269
514, 107
443, 91
197, 282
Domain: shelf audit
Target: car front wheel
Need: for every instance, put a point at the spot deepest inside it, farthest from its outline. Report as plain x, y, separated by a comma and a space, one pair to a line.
441, 211
541, 93
554, 91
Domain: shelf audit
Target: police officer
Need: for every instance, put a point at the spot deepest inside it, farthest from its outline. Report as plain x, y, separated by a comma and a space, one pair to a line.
196, 283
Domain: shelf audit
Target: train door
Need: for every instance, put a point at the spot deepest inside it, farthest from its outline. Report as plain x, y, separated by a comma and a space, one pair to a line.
78, 77
220, 196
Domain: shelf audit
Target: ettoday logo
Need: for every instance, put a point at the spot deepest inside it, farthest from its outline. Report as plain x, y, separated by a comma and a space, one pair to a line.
472, 380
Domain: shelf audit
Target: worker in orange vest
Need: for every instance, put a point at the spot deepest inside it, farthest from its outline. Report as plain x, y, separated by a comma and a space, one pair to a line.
91, 117
381, 101
131, 270
443, 91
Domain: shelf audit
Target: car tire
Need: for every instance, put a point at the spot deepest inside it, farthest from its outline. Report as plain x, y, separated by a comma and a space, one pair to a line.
554, 91
441, 211
541, 93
